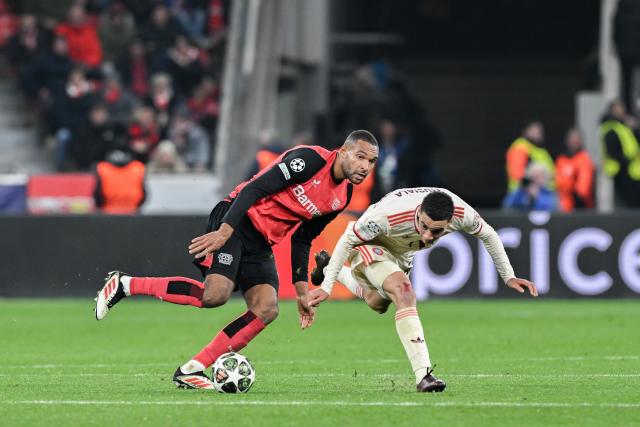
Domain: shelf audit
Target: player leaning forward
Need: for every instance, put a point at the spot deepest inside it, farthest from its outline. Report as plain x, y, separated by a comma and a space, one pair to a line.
306, 185
381, 245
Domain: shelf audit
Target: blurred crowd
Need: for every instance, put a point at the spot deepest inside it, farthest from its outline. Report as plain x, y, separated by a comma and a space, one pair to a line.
538, 182
136, 76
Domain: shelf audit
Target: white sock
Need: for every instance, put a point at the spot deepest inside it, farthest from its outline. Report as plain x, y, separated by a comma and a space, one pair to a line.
126, 284
412, 337
346, 278
192, 366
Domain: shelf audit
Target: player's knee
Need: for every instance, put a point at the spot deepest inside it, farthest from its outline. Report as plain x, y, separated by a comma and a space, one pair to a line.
212, 300
266, 313
402, 292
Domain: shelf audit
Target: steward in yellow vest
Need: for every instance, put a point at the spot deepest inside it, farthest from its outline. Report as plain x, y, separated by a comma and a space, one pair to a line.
621, 154
525, 150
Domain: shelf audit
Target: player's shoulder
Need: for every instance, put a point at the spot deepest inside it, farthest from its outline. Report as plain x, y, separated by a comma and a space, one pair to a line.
303, 161
308, 152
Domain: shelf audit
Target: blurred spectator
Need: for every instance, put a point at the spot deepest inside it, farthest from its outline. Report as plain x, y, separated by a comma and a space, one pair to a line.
621, 153
192, 16
161, 32
393, 147
534, 193
165, 159
204, 105
626, 35
269, 149
9, 22
528, 149
143, 133
192, 142
79, 95
183, 63
29, 42
134, 69
120, 184
94, 137
119, 101
82, 36
574, 174
163, 100
48, 74
117, 29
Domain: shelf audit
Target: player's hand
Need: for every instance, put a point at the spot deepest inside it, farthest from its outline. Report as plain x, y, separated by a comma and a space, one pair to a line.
307, 313
202, 246
317, 296
521, 284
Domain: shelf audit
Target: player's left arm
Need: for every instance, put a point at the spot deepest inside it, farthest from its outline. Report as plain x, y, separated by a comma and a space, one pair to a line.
300, 248
475, 225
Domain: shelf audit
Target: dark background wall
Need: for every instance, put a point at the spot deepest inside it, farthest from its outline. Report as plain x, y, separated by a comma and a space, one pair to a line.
70, 255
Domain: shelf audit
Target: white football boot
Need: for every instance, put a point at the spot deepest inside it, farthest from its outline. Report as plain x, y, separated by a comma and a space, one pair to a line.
109, 295
198, 380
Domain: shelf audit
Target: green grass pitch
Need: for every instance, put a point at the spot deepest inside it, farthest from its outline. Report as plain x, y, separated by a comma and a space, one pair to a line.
527, 362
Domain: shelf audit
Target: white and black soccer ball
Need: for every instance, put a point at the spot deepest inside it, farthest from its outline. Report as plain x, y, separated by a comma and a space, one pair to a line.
233, 373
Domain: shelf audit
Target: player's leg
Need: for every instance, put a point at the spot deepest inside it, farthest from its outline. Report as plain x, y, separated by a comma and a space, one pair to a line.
262, 304
371, 297
218, 289
398, 287
214, 292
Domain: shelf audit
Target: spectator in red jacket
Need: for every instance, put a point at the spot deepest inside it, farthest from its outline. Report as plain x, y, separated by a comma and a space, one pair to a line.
575, 174
82, 36
143, 133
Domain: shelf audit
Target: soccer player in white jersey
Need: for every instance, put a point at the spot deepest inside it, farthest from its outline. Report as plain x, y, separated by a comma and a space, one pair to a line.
380, 247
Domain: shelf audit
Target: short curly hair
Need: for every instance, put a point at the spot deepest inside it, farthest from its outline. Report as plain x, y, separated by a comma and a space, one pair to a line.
438, 206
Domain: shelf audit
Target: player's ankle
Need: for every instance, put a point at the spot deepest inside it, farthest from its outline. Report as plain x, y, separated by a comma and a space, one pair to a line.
126, 284
192, 366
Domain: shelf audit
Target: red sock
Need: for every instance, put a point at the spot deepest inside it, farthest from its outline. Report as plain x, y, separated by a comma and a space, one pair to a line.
177, 290
234, 337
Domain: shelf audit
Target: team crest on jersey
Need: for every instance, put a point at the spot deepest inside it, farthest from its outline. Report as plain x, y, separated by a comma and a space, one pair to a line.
377, 251
374, 228
336, 204
297, 165
225, 259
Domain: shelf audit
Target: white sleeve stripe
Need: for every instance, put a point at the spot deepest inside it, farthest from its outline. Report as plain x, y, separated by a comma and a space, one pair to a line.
285, 171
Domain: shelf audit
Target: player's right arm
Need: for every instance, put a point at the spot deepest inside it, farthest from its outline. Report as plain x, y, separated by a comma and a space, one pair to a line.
272, 181
472, 223
363, 230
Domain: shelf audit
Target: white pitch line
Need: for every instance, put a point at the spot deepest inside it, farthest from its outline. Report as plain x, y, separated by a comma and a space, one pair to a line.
292, 362
444, 404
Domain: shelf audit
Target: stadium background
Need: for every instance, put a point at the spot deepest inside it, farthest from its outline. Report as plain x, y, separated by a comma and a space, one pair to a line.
458, 81
206, 91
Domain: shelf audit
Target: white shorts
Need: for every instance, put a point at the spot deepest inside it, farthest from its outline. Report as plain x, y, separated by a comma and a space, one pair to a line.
371, 265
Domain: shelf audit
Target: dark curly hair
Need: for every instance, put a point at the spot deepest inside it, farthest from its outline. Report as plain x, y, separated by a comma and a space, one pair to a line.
438, 206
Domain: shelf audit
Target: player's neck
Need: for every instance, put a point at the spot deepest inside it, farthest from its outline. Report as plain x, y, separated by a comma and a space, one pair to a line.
336, 171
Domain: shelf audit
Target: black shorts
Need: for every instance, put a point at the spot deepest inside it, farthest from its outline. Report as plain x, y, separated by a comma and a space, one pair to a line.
246, 258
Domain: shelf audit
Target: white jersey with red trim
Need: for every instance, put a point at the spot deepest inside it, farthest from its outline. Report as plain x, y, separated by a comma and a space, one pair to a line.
392, 224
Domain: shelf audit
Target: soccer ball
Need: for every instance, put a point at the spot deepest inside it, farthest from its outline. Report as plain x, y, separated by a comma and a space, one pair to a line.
232, 373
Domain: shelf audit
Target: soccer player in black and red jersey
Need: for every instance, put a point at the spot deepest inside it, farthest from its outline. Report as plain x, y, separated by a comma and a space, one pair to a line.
307, 185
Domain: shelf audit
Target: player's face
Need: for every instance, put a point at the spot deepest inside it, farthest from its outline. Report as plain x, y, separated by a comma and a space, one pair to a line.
429, 229
358, 161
